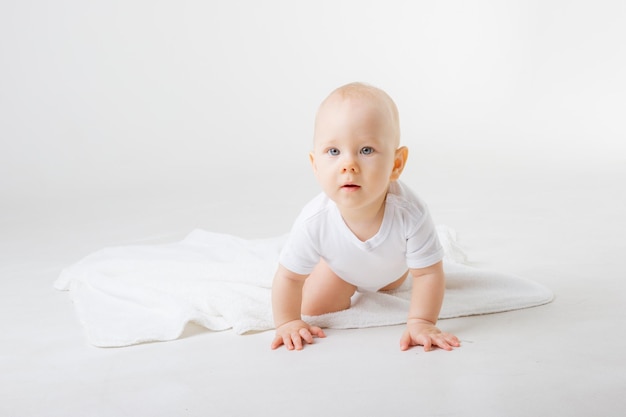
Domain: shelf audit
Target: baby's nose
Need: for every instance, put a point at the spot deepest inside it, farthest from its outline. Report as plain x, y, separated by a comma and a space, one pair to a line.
349, 164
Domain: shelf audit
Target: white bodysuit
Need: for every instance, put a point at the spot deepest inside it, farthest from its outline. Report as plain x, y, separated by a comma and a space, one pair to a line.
406, 239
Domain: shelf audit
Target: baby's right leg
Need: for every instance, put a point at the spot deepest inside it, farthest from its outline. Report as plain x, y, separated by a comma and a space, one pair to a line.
324, 292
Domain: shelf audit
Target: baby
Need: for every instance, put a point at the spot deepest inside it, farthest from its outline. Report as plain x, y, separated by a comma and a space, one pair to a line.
366, 232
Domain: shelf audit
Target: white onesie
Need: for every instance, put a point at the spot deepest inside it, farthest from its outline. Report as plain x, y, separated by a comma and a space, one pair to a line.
406, 239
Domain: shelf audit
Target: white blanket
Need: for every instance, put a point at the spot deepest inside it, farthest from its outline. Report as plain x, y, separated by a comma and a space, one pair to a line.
133, 294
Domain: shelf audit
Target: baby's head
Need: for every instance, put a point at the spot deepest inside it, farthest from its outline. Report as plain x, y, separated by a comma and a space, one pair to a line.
356, 151
363, 95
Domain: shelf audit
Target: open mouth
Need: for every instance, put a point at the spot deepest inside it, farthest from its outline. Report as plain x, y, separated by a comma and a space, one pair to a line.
351, 186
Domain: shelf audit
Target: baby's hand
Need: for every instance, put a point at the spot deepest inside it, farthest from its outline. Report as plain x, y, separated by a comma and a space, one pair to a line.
292, 333
422, 332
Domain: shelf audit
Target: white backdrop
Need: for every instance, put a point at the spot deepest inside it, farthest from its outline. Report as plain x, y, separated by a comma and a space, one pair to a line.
128, 122
135, 95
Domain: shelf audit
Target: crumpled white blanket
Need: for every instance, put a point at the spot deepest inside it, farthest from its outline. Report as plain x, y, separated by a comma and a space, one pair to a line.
133, 294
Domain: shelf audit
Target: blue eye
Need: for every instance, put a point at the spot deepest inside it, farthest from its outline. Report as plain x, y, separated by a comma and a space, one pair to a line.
367, 150
333, 152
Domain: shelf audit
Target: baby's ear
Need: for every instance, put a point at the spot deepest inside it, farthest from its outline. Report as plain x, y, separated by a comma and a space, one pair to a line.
401, 156
312, 160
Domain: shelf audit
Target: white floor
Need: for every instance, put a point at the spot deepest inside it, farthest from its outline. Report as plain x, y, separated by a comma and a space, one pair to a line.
558, 222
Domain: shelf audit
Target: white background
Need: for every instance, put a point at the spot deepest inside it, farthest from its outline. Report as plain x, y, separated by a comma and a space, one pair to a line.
169, 96
128, 122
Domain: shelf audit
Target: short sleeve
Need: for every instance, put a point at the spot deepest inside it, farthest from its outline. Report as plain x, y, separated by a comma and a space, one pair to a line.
300, 254
423, 248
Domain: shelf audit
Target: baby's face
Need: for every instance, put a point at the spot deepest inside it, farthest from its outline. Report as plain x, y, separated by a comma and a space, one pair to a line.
354, 156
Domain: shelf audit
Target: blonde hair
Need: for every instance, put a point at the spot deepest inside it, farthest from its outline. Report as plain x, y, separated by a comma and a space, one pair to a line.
359, 90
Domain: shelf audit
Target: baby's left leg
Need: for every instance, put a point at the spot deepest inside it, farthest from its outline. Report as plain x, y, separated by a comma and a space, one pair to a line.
325, 292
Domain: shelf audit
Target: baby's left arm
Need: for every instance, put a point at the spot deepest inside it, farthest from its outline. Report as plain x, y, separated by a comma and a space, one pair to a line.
426, 299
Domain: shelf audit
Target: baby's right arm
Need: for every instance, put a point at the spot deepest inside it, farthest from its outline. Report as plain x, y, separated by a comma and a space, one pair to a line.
291, 330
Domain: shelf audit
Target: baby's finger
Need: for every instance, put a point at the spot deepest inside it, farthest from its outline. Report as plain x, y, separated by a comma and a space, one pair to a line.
442, 343
277, 342
317, 331
297, 340
287, 342
405, 341
428, 344
446, 341
306, 335
452, 339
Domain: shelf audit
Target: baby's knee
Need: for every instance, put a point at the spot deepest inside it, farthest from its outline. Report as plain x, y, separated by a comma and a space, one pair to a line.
325, 292
317, 307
